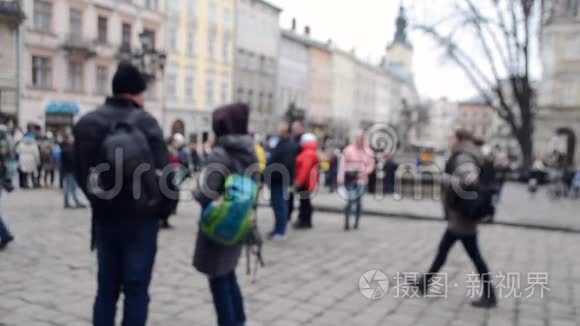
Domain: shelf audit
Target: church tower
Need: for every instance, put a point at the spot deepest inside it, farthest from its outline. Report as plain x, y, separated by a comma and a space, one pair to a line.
400, 50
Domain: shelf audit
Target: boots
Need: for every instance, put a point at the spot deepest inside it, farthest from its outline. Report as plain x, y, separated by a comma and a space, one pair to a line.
488, 299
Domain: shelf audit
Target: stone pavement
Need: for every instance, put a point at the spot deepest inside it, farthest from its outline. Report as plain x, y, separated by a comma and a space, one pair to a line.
47, 277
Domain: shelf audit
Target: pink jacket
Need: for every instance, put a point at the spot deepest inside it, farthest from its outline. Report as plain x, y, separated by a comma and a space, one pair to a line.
356, 158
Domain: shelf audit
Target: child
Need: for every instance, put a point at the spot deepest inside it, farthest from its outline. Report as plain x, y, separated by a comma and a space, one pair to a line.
306, 179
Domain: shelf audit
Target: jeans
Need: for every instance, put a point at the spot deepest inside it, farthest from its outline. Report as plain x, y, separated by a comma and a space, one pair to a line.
228, 300
70, 189
472, 248
290, 204
354, 199
278, 194
126, 251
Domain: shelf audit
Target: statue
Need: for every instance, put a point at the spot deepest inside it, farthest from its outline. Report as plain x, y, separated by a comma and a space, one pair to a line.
401, 33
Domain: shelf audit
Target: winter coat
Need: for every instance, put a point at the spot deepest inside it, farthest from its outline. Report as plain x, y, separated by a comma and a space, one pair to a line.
462, 168
28, 155
67, 158
356, 159
47, 155
282, 156
307, 168
89, 134
233, 153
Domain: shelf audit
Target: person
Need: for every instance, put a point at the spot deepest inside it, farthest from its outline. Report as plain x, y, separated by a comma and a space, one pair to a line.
488, 176
280, 175
296, 130
6, 155
234, 152
576, 183
47, 159
28, 160
177, 174
69, 183
125, 227
306, 179
356, 165
536, 174
195, 159
461, 170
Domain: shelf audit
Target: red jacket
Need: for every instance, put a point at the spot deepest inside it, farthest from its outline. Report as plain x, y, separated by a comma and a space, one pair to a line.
307, 168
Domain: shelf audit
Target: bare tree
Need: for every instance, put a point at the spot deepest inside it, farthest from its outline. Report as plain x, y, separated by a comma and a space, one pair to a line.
498, 66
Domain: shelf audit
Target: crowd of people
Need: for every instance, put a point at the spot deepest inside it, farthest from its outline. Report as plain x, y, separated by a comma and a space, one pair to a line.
125, 224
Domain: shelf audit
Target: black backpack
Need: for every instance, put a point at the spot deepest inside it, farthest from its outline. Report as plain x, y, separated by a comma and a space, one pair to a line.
125, 169
471, 207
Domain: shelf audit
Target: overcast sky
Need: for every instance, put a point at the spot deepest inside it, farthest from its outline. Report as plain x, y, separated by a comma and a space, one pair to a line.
368, 25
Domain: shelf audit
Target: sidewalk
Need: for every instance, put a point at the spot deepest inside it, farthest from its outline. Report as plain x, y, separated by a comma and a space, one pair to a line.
517, 208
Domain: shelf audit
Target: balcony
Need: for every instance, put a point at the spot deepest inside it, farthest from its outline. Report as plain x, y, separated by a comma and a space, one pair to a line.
77, 46
11, 11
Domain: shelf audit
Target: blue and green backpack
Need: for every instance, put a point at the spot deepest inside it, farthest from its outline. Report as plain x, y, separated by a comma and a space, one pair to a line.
228, 219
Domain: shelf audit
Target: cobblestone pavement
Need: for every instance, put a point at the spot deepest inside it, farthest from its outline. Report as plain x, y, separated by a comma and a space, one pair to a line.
47, 277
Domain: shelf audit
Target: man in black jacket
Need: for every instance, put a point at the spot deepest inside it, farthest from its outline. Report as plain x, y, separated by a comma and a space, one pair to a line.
280, 176
124, 235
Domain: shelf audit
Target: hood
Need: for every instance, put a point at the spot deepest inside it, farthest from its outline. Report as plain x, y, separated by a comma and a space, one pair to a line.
469, 148
240, 147
231, 120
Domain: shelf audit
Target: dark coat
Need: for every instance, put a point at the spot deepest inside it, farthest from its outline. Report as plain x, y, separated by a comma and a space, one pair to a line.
464, 163
89, 134
282, 157
232, 153
67, 158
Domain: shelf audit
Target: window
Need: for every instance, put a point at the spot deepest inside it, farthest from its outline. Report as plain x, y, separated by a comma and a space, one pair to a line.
173, 5
240, 94
102, 29
151, 4
172, 38
228, 18
126, 35
76, 24
191, 41
210, 100
191, 8
150, 38
41, 72
171, 85
75, 76
102, 83
212, 13
226, 48
225, 92
43, 15
211, 44
189, 86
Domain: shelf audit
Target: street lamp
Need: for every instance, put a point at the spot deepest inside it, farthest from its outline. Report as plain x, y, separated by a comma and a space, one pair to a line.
148, 60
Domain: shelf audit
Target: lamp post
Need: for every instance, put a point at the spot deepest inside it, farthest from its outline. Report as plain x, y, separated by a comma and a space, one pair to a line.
149, 60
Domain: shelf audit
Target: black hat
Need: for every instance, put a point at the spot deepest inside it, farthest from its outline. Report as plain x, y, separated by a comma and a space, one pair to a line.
231, 120
128, 80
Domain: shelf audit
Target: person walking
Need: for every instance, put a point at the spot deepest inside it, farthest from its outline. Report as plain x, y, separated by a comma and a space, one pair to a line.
356, 165
67, 157
462, 171
48, 159
28, 160
125, 222
306, 179
233, 153
280, 175
6, 155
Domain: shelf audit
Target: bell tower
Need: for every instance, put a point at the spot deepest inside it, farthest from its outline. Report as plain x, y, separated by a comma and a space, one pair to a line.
400, 50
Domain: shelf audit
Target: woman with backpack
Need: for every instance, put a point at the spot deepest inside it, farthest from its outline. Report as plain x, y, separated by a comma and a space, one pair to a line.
462, 172
233, 154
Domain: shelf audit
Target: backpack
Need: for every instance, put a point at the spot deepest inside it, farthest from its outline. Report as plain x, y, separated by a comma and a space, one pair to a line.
478, 207
228, 219
124, 150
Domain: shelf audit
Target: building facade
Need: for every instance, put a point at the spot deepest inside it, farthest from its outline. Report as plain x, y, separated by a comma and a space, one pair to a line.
11, 16
256, 60
293, 73
559, 91
69, 55
199, 73
320, 84
477, 117
443, 117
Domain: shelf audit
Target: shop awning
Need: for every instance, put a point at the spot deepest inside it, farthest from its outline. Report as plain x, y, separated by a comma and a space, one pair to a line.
70, 108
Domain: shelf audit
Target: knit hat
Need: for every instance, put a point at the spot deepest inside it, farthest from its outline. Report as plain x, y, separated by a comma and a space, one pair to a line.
308, 138
128, 80
231, 120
